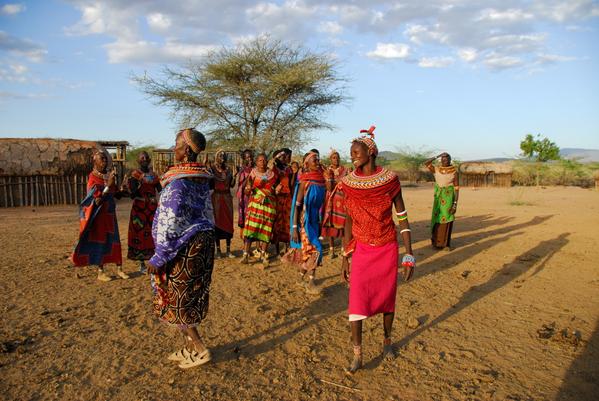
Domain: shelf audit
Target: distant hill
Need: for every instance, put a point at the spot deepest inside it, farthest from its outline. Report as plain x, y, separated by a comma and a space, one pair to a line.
493, 160
582, 155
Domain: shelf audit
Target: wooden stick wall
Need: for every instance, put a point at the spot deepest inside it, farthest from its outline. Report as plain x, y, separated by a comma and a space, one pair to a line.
42, 190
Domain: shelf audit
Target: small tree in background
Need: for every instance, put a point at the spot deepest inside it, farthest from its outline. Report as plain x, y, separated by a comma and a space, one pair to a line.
262, 94
411, 161
539, 149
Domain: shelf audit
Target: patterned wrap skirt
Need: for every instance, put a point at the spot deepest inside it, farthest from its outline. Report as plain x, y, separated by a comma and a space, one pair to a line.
260, 219
181, 294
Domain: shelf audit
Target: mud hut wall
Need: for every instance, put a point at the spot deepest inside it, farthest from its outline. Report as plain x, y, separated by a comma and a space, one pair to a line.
43, 171
42, 190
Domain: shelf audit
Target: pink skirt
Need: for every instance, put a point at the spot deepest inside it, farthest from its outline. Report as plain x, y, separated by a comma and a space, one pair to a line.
373, 280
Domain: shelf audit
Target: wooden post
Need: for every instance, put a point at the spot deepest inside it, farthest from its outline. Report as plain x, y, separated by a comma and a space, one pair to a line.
51, 178
31, 191
20, 191
34, 190
45, 190
63, 184
5, 191
68, 189
9, 188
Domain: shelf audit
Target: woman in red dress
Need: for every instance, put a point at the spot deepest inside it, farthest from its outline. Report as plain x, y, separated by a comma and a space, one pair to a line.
99, 241
334, 219
370, 258
283, 191
222, 202
143, 186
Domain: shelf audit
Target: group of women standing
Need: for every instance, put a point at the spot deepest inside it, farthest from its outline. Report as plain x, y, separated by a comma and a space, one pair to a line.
278, 203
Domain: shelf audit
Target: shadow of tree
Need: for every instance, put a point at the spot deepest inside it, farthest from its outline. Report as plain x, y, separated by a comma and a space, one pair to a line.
581, 382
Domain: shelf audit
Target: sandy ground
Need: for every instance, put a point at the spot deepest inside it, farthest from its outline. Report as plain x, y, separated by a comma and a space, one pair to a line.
525, 266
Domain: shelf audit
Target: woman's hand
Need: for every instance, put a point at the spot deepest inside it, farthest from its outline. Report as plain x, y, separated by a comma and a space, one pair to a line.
151, 269
345, 268
408, 263
295, 234
111, 178
453, 209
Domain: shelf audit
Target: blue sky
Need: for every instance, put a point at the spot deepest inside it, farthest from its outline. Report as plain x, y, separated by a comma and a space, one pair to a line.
469, 77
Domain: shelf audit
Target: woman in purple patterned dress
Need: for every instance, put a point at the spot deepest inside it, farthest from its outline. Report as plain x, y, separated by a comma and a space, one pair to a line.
183, 232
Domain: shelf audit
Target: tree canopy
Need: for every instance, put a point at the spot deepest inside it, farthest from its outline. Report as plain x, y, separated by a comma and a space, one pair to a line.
540, 149
262, 94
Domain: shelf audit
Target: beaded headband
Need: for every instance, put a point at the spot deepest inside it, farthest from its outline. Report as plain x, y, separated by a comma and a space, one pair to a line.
187, 138
368, 139
309, 156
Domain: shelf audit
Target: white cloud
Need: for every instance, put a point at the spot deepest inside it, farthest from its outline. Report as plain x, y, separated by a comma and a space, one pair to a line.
498, 34
292, 19
22, 47
4, 96
508, 15
19, 69
330, 27
566, 10
468, 54
149, 52
553, 58
435, 62
12, 9
500, 62
390, 51
158, 22
420, 34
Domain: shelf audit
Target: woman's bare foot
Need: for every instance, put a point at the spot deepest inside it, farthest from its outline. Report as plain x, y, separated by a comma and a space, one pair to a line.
102, 276
356, 363
121, 273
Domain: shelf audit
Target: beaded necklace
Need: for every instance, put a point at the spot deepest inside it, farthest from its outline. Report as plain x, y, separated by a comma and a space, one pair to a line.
353, 180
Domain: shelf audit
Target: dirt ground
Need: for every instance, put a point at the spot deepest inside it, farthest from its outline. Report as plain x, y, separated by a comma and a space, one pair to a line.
511, 313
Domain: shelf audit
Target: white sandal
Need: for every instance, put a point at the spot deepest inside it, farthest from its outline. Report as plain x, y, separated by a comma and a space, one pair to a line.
179, 355
196, 359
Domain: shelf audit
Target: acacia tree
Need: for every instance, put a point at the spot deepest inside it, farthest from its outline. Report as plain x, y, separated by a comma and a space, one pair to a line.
262, 94
541, 150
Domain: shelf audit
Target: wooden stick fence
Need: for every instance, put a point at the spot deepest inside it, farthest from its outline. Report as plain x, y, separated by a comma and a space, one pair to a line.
42, 190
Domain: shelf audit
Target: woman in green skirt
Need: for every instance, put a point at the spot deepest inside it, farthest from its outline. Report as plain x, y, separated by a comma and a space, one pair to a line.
445, 201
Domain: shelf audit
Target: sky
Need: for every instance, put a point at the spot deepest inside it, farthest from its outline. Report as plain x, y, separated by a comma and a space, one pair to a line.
470, 77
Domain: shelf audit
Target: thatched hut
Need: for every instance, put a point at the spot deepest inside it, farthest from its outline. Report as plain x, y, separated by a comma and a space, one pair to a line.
44, 171
485, 174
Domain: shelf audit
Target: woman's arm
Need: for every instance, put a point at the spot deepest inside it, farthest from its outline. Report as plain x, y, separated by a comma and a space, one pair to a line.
345, 256
428, 163
456, 188
406, 236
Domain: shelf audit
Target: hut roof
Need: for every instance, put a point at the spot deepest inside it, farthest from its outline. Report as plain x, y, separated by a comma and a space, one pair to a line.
485, 168
45, 156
